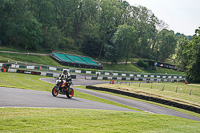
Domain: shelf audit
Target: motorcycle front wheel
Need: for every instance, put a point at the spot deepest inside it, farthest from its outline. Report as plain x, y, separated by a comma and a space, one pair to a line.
54, 92
70, 93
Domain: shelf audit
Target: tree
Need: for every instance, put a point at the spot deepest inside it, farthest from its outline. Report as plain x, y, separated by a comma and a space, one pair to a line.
18, 26
31, 35
89, 34
167, 44
55, 39
123, 41
110, 14
192, 52
145, 23
91, 40
181, 59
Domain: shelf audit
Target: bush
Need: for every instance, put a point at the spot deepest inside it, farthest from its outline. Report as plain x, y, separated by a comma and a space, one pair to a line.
142, 64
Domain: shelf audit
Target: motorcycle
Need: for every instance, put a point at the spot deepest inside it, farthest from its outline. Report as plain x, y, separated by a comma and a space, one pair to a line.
63, 87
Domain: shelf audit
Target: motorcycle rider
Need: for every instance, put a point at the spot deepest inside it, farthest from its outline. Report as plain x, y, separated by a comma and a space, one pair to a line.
65, 75
63, 84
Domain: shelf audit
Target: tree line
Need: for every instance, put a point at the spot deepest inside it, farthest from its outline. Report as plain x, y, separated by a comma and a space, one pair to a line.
188, 56
109, 29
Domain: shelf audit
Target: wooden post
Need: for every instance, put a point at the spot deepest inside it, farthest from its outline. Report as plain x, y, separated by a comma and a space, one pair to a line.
151, 85
163, 88
176, 89
139, 84
190, 92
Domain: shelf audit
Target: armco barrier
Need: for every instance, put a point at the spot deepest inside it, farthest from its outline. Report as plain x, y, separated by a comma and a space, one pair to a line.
162, 76
38, 73
134, 79
148, 98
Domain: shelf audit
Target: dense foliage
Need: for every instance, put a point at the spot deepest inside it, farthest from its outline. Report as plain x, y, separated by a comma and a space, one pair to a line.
142, 64
188, 57
111, 29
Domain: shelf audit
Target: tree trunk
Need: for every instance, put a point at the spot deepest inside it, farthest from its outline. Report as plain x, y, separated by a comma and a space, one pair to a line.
101, 47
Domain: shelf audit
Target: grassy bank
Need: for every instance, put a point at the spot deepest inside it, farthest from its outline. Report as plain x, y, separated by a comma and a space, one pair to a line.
79, 120
46, 60
133, 68
122, 67
187, 94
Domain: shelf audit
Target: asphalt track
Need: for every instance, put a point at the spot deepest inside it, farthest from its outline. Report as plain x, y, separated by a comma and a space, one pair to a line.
12, 97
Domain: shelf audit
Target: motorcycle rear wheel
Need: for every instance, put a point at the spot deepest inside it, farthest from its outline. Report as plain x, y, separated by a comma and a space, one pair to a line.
70, 93
54, 92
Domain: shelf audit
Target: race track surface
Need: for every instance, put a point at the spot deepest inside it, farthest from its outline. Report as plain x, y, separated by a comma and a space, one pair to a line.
12, 97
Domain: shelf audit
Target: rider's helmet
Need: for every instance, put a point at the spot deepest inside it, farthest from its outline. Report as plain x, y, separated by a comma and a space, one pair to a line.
65, 72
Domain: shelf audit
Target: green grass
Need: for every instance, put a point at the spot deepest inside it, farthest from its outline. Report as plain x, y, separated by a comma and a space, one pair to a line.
122, 67
133, 68
46, 60
84, 121
24, 81
11, 49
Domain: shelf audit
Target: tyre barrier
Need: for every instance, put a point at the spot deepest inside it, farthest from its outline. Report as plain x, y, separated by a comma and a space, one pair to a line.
148, 98
29, 72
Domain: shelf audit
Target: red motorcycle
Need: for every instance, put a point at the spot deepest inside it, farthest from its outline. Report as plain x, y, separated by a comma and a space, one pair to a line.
63, 87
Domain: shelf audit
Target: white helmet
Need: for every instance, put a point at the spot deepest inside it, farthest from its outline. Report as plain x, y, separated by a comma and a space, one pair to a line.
65, 72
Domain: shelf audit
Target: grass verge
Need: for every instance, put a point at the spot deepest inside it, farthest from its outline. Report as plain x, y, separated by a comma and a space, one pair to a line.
84, 121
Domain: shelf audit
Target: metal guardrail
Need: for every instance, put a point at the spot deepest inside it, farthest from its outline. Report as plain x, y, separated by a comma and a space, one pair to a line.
136, 79
43, 67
